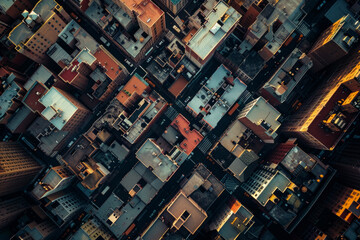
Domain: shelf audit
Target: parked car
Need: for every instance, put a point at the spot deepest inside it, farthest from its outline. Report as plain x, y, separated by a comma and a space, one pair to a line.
176, 29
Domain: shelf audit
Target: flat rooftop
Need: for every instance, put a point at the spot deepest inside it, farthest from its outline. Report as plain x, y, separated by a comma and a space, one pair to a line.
6, 4
147, 11
78, 152
237, 223
183, 204
261, 111
280, 181
345, 26
233, 134
73, 31
127, 213
32, 97
252, 64
119, 14
203, 187
135, 86
218, 24
131, 46
58, 54
43, 131
295, 157
22, 32
156, 231
151, 156
150, 186
7, 97
69, 73
217, 96
178, 86
321, 112
109, 63
58, 109
146, 117
288, 75
192, 137
244, 165
287, 12
21, 119
41, 75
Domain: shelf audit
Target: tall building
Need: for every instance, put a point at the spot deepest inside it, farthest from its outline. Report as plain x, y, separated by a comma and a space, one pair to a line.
216, 96
17, 168
11, 94
55, 180
323, 121
233, 220
11, 10
347, 162
92, 229
11, 208
39, 30
344, 202
62, 206
325, 117
273, 26
264, 182
186, 212
62, 110
335, 42
36, 231
261, 118
217, 26
132, 91
281, 85
175, 5
149, 16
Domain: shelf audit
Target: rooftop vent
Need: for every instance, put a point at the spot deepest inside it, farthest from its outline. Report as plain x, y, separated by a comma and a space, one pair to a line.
25, 13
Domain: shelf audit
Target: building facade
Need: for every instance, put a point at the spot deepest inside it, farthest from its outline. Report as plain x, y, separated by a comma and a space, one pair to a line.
11, 208
39, 30
334, 43
17, 168
175, 5
56, 179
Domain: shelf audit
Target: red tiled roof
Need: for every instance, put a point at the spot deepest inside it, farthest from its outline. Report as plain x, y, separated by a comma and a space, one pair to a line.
32, 97
328, 138
192, 137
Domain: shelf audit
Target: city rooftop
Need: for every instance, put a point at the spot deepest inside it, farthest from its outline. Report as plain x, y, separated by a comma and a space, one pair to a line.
215, 29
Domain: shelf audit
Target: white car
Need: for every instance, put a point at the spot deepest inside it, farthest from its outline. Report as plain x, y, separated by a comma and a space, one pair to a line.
176, 29
129, 63
161, 42
149, 59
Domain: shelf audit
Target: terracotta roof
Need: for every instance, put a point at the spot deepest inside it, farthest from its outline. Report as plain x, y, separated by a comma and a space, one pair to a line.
136, 85
31, 99
192, 137
108, 62
147, 11
178, 86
